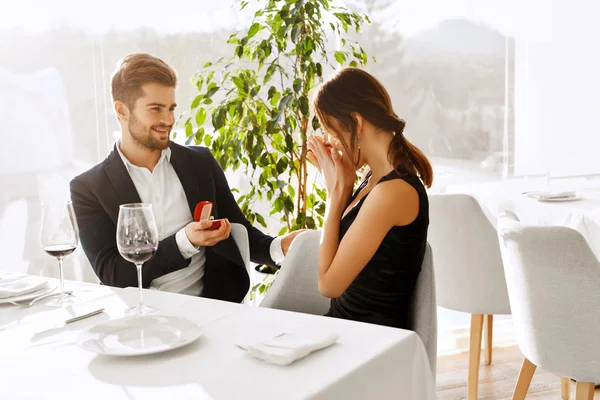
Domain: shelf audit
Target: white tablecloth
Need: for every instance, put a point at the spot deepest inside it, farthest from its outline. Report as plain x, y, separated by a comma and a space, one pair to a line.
368, 362
582, 215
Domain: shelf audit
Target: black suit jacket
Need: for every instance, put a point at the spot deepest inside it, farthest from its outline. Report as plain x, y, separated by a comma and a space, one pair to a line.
97, 193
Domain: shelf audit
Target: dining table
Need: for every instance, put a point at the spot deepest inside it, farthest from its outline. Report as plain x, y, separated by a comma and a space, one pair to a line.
581, 211
42, 356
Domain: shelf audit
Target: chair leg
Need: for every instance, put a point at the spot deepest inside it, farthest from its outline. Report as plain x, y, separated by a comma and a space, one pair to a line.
525, 375
488, 323
474, 355
565, 384
584, 391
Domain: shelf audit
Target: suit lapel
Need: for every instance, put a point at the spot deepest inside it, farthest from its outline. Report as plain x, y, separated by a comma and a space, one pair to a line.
184, 169
120, 179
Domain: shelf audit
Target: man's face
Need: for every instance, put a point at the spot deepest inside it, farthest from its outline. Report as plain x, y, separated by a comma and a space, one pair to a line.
152, 117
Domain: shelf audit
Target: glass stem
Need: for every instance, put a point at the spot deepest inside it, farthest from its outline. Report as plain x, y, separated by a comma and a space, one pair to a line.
139, 273
60, 269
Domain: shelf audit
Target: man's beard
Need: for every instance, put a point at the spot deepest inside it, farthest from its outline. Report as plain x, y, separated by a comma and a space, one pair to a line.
144, 135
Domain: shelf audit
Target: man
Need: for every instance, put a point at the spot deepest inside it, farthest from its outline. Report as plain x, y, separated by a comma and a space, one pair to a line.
146, 167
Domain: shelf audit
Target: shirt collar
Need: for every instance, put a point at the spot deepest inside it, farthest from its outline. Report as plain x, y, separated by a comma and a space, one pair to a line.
166, 153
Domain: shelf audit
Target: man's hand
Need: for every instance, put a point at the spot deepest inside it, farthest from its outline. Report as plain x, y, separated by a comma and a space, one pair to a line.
286, 240
199, 235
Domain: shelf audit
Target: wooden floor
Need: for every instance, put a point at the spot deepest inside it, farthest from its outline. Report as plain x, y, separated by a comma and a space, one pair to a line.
496, 381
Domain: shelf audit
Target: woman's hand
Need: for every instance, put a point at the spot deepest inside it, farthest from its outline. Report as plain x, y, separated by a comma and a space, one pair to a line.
338, 174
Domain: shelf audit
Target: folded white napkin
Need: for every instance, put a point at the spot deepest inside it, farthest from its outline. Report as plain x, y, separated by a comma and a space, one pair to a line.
12, 286
286, 348
551, 195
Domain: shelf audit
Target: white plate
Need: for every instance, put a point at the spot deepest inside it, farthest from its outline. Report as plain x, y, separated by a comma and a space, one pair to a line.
29, 296
558, 199
135, 336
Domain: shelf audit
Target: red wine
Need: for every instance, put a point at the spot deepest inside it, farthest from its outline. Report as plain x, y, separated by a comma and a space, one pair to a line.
60, 250
139, 254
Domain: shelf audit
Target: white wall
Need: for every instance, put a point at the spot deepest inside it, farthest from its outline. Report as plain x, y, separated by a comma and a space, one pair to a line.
557, 90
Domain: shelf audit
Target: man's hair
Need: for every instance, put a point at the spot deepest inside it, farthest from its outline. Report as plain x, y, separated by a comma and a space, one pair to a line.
135, 70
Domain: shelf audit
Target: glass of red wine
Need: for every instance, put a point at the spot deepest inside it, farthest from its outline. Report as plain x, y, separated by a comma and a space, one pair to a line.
59, 237
137, 240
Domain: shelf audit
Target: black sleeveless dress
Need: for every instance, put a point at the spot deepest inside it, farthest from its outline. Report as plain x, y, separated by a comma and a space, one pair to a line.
382, 291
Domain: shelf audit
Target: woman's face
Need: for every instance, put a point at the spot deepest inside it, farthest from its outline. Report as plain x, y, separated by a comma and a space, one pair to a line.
341, 139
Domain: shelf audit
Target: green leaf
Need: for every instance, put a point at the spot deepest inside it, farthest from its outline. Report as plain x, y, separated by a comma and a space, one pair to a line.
199, 135
207, 140
271, 93
278, 205
289, 143
300, 220
196, 101
321, 194
207, 64
218, 118
281, 165
295, 32
310, 223
353, 63
212, 90
315, 123
291, 123
297, 85
189, 131
261, 220
340, 57
254, 29
282, 231
255, 91
304, 107
319, 69
238, 82
199, 82
201, 116
275, 98
289, 205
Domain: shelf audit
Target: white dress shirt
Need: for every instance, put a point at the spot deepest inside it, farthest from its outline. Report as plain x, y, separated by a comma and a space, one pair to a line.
162, 188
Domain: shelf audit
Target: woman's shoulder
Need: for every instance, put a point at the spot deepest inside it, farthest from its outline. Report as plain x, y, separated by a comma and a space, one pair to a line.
388, 194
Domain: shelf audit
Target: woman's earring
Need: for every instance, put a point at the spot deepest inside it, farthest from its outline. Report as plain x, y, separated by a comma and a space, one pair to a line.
358, 142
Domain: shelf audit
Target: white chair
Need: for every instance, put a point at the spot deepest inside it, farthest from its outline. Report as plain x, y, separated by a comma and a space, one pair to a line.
239, 233
553, 282
296, 289
423, 309
468, 270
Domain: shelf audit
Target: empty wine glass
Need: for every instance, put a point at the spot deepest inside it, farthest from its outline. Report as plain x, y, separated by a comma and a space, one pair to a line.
137, 240
59, 237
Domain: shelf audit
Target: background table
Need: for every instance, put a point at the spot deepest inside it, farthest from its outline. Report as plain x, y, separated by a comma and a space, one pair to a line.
582, 215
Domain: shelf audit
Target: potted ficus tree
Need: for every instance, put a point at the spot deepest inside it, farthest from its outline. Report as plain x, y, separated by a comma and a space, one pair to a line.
253, 109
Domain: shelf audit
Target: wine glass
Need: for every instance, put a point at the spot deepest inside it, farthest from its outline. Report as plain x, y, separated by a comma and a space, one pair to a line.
59, 237
137, 240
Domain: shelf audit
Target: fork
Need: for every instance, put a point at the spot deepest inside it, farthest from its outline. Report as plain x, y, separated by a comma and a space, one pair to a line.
44, 296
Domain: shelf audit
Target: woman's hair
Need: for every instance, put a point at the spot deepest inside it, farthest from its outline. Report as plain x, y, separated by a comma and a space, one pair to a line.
353, 90
134, 71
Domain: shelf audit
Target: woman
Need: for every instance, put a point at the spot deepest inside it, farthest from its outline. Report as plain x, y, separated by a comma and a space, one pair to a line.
373, 241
